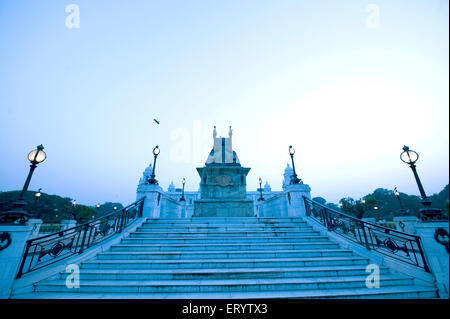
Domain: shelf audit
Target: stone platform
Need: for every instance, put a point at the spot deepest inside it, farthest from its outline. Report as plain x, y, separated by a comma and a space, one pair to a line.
223, 208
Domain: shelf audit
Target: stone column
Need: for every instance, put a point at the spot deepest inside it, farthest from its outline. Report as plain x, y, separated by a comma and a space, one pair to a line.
68, 223
435, 254
183, 209
152, 201
406, 224
11, 256
295, 202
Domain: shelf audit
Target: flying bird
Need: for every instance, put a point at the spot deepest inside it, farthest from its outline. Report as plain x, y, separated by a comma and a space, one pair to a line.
156, 121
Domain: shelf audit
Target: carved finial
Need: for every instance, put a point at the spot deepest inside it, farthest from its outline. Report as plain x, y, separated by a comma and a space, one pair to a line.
230, 132
214, 132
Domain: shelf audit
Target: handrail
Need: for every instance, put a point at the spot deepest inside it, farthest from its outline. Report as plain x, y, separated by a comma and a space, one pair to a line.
49, 249
387, 241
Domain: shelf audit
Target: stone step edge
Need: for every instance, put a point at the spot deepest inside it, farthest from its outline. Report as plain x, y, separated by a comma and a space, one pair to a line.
224, 282
207, 252
230, 244
249, 260
225, 270
308, 294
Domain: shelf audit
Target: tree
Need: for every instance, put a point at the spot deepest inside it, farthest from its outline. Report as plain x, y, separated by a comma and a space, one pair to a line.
320, 200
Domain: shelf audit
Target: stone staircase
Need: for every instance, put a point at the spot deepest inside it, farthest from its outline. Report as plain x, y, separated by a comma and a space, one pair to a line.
223, 258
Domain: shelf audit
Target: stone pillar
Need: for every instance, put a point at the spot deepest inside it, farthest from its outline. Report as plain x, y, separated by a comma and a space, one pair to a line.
406, 224
183, 209
435, 254
11, 256
295, 202
68, 223
152, 201
36, 223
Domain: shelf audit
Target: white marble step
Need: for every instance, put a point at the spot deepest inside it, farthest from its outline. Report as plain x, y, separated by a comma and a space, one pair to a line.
233, 273
229, 285
397, 292
172, 255
224, 247
222, 224
212, 233
223, 263
222, 229
222, 240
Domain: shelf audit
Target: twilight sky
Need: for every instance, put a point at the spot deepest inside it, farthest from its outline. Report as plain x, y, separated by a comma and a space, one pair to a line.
347, 87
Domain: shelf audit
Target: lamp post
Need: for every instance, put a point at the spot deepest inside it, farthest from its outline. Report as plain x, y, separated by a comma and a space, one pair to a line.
72, 211
152, 179
36, 197
295, 179
182, 194
397, 194
260, 190
18, 214
410, 157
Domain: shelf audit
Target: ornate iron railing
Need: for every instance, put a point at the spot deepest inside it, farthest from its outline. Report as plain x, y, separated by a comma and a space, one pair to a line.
387, 241
49, 249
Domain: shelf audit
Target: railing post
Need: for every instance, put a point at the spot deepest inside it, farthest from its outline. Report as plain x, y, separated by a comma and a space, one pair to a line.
419, 245
84, 239
24, 258
366, 241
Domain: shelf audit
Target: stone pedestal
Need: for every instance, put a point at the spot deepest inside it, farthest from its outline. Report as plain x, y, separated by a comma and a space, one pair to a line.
223, 208
223, 192
11, 256
68, 223
183, 209
406, 224
435, 254
152, 200
295, 202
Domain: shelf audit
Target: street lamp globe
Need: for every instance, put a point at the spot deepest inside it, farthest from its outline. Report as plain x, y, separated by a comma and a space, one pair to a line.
38, 194
183, 181
98, 205
74, 202
156, 150
291, 150
37, 156
409, 156
375, 207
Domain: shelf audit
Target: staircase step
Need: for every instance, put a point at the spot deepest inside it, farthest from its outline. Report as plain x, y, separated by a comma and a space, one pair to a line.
157, 234
229, 285
226, 247
402, 292
223, 263
171, 255
197, 274
221, 240
224, 225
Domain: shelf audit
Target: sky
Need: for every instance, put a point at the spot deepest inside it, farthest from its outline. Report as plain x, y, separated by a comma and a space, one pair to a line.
346, 83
